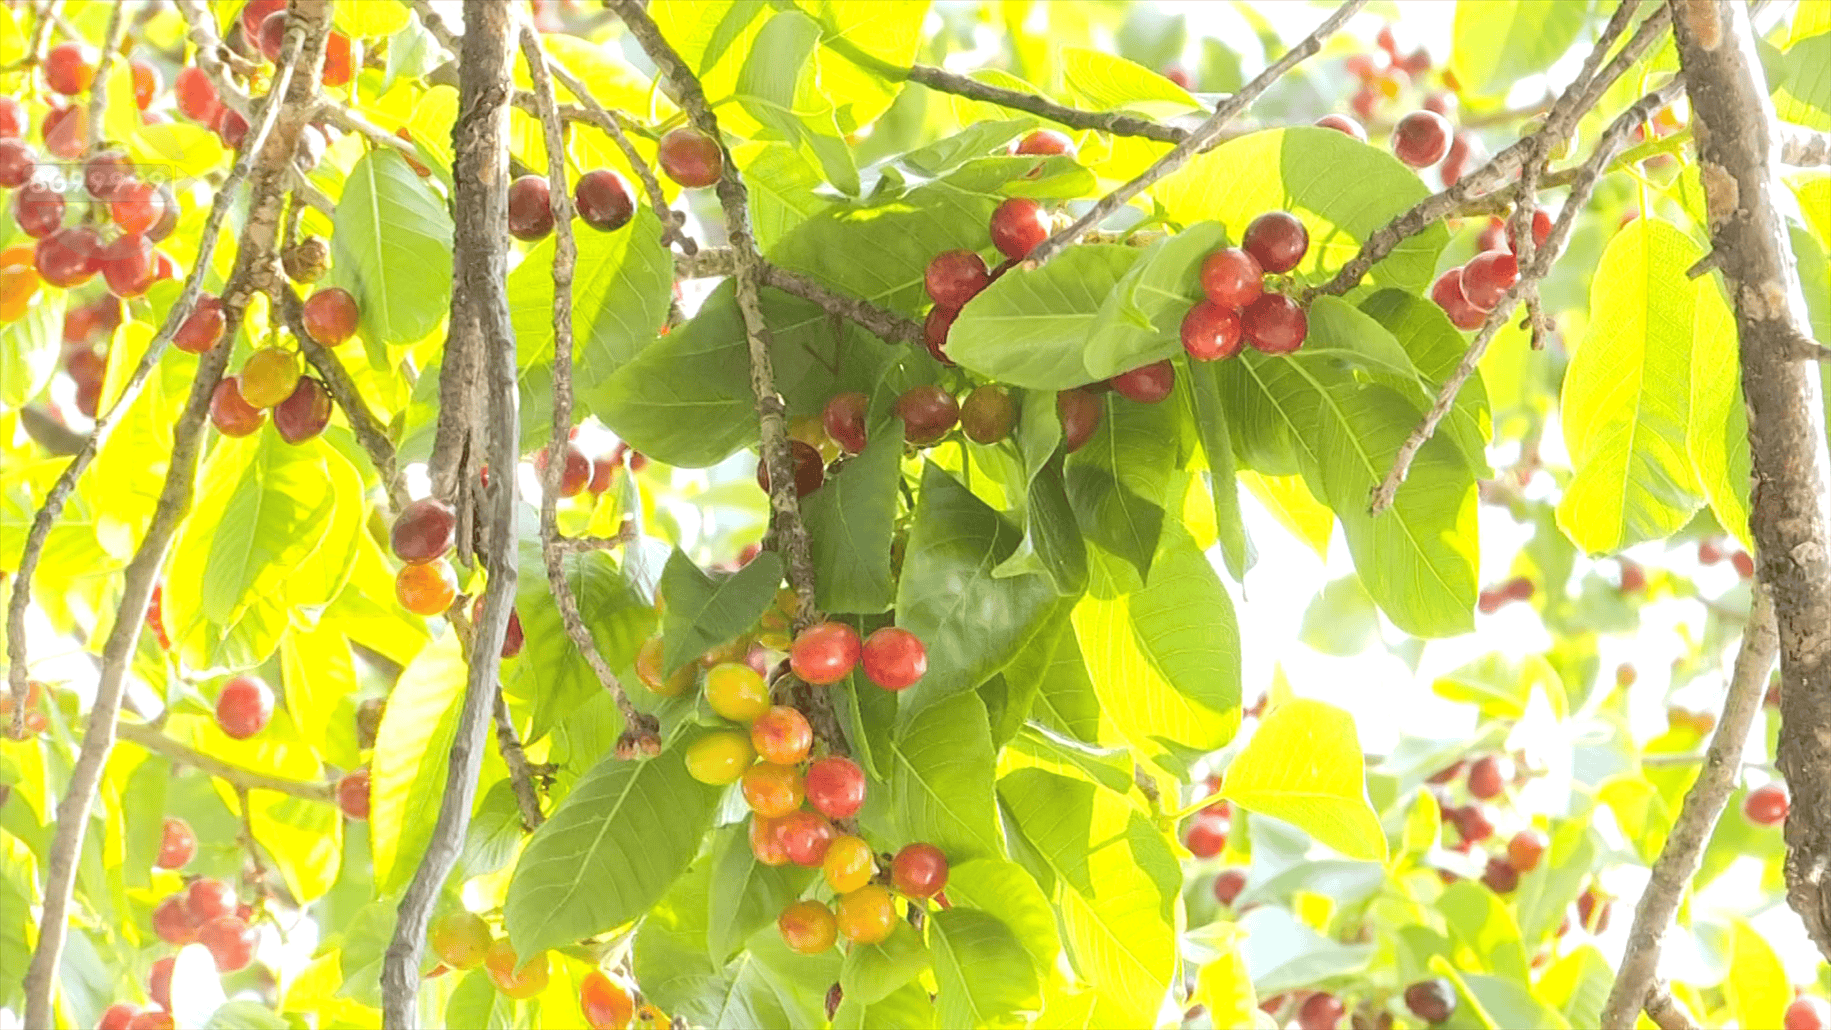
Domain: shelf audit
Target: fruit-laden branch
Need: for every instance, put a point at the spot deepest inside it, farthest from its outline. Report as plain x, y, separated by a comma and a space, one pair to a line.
272, 139
1737, 138
641, 732
104, 64
1613, 139
885, 324
1803, 147
159, 744
1195, 141
59, 494
369, 432
1667, 1012
1697, 819
1112, 122
480, 239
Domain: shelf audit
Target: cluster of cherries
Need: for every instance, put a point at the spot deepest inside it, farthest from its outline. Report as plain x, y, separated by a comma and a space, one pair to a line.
1236, 309
244, 707
602, 197
422, 535
258, 32
1486, 779
1468, 292
462, 940
34, 721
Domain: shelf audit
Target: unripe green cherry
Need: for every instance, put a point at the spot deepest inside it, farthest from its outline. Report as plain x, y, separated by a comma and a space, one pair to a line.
720, 757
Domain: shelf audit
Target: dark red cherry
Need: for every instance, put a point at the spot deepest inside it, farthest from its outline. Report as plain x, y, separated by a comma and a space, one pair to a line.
1274, 324
1277, 240
1146, 384
1018, 225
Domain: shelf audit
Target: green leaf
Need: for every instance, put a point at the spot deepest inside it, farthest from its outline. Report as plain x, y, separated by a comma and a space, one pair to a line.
1654, 373
781, 193
1030, 328
1482, 931
872, 972
703, 613
1119, 482
245, 1015
1004, 890
1756, 989
746, 894
1109, 83
550, 675
376, 18
392, 248
971, 622
1112, 768
909, 1007
1304, 765
1211, 427
1510, 1003
1141, 319
779, 86
1799, 81
29, 348
1342, 190
412, 755
1436, 347
476, 1003
984, 975
1051, 666
1498, 42
608, 852
941, 779
1341, 620
1164, 657
1578, 984
849, 522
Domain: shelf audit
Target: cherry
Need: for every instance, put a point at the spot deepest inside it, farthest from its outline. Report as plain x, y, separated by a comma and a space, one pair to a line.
928, 412
1493, 236
197, 98
1018, 225
1079, 412
836, 786
269, 376
1044, 143
1431, 1000
1488, 276
38, 210
1232, 278
603, 200
255, 13
153, 1019
1207, 835
231, 127
339, 68
530, 210
1211, 332
865, 916
1541, 230
1343, 124
17, 162
574, 476
106, 172
243, 707
648, 670
894, 658
690, 157
1448, 294
173, 922
1274, 324
919, 870
427, 589
13, 119
1474, 822
606, 1006
128, 265
69, 68
18, 285
168, 216
1527, 849
1767, 804
177, 844
782, 735
935, 328
330, 315
1462, 147
807, 927
1228, 885
955, 277
231, 942
137, 206
989, 414
1277, 240
512, 977
1179, 76
208, 899
825, 653
720, 757
1500, 876
461, 939
66, 131
805, 836
230, 414
159, 981
810, 470
1593, 911
1743, 563
271, 36
1488, 776
353, 792
1807, 1013
848, 865
117, 1016
844, 419
766, 841
771, 790
68, 257
423, 531
1421, 138
1320, 1011
735, 691
147, 83
305, 413
1146, 384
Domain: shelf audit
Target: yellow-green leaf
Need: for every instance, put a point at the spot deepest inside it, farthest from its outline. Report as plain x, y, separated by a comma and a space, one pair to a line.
1290, 502
1225, 984
1304, 766
1757, 989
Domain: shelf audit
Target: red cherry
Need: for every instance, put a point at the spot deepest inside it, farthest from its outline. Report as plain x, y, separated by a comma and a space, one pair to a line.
424, 531
69, 68
202, 329
825, 653
128, 265
137, 206
1146, 384
836, 786
1277, 240
1447, 292
177, 844
197, 97
1228, 885
159, 981
919, 870
1488, 776
271, 36
1431, 1000
894, 658
928, 412
1767, 804
208, 899
1207, 835
530, 208
512, 638
1232, 278
690, 157
810, 470
230, 413
13, 119
117, 1016
576, 474
1475, 823
1493, 236
68, 257
168, 216
339, 61
1462, 147
1079, 412
243, 707
330, 315
353, 793
1044, 143
1593, 911
1807, 1012
38, 210
106, 172
1320, 1011
66, 131
1018, 225
1343, 124
1210, 331
231, 942
1274, 324
232, 127
1179, 76
1541, 230
305, 413
1488, 276
17, 162
1743, 563
955, 277
844, 419
1500, 876
146, 83
255, 13
605, 1004
1421, 138
603, 200
934, 332
1526, 849
173, 922
805, 836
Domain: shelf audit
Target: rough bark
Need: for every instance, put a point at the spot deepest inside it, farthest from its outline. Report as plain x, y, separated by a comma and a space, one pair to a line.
1738, 143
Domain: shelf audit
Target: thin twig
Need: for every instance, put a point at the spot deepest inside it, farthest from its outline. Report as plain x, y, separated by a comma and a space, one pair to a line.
521, 775
368, 430
1667, 1012
41, 32
284, 114
248, 840
565, 257
243, 779
480, 267
104, 65
1697, 819
581, 544
1613, 138
1196, 140
1114, 122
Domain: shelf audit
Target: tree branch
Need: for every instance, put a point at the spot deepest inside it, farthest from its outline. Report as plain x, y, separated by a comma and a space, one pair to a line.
104, 64
480, 267
274, 136
1697, 819
1665, 1011
1112, 122
521, 776
1613, 138
1736, 132
246, 779
1195, 141
565, 257
368, 430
